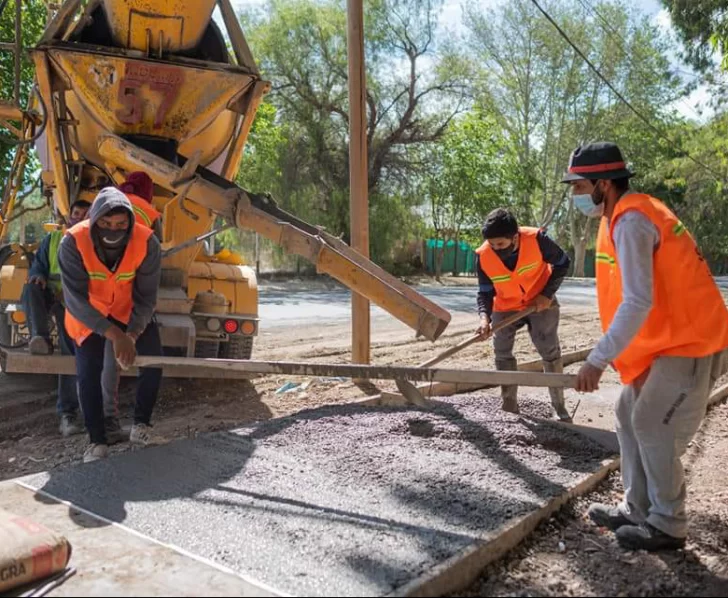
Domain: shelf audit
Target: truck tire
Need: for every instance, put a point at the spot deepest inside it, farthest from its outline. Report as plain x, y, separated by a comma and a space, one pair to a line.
238, 347
6, 333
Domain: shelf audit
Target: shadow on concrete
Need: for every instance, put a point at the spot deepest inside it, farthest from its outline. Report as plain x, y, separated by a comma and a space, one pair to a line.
202, 470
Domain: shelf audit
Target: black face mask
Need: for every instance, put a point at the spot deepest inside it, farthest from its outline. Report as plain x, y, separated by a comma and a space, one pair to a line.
112, 238
506, 252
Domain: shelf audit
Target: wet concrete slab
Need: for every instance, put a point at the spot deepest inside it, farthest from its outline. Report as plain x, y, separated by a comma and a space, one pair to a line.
340, 500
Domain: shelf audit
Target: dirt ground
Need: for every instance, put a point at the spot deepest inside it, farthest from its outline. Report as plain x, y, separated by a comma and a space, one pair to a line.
569, 556
590, 564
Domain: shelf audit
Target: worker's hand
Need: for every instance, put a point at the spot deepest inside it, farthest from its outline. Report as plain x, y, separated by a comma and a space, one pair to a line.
124, 350
484, 329
541, 303
39, 280
587, 380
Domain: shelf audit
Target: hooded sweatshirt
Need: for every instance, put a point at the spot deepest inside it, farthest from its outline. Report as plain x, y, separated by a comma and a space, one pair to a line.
74, 276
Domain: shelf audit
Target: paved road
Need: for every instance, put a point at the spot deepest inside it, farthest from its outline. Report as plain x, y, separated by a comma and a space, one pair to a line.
287, 308
298, 308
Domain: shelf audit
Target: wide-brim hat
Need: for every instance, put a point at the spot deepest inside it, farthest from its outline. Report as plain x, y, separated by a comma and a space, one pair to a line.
600, 160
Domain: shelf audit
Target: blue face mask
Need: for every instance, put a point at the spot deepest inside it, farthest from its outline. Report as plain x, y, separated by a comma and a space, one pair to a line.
585, 204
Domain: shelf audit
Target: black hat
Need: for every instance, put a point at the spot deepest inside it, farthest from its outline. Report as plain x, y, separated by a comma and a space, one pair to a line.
600, 160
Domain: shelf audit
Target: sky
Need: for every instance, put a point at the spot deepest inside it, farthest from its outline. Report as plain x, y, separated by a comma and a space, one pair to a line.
689, 107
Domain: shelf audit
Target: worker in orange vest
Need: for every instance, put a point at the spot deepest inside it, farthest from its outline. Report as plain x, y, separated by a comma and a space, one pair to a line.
139, 188
665, 331
110, 271
520, 267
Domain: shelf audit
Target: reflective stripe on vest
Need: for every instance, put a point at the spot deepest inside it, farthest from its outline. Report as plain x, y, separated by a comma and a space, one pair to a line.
111, 293
144, 212
514, 290
54, 268
688, 316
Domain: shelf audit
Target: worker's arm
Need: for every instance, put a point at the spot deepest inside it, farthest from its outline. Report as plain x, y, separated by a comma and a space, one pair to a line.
74, 280
146, 285
635, 240
486, 296
41, 267
559, 260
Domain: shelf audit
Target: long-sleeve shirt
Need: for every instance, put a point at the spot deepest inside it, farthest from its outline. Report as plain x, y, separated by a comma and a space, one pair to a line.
75, 288
552, 254
635, 240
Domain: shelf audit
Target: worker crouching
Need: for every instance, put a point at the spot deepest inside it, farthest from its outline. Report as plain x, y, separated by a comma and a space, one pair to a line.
110, 270
520, 268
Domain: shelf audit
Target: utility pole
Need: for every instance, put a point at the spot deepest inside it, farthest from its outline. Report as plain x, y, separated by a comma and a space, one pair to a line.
358, 173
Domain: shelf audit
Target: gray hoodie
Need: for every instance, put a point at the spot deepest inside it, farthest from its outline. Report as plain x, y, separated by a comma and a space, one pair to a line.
75, 279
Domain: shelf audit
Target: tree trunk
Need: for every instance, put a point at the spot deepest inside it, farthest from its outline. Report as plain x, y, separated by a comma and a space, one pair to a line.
439, 256
579, 257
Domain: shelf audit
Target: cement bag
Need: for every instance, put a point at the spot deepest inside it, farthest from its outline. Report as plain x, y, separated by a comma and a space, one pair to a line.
28, 551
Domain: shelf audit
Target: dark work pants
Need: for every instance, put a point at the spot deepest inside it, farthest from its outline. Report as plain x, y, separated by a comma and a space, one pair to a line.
39, 304
89, 365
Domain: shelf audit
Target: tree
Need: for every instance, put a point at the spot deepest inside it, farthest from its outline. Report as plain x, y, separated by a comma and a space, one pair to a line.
473, 170
301, 47
32, 25
703, 27
549, 101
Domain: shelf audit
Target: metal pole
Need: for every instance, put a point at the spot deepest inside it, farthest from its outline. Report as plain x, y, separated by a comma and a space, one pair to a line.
358, 181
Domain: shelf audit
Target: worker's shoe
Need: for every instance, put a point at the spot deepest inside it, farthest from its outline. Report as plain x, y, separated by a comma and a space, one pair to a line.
95, 452
647, 537
562, 414
69, 425
141, 435
609, 517
40, 346
510, 404
114, 432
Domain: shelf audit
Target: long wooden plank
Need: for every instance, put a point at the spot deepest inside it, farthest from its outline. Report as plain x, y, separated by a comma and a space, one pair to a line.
19, 362
446, 389
302, 368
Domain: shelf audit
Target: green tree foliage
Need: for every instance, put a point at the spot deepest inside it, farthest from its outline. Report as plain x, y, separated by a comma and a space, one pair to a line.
32, 25
472, 171
549, 101
301, 47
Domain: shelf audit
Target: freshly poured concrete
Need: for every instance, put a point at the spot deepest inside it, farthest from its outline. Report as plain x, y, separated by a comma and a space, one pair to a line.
341, 500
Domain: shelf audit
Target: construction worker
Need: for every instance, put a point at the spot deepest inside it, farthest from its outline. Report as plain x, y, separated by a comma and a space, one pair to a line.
110, 269
521, 267
42, 296
665, 331
139, 189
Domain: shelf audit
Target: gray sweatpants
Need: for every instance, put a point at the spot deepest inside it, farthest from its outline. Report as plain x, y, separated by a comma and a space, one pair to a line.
544, 330
655, 423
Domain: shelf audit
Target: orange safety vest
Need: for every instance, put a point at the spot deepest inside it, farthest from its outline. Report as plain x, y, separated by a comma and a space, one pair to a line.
109, 292
515, 289
688, 316
144, 212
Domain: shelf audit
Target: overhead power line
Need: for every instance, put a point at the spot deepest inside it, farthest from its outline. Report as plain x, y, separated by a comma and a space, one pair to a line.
615, 91
622, 43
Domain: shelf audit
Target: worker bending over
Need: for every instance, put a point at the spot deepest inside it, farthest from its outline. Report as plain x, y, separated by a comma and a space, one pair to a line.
42, 297
521, 267
139, 190
110, 269
665, 329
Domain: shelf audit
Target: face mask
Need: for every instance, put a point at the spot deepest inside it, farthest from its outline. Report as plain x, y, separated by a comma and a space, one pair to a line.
586, 205
73, 222
112, 238
506, 252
